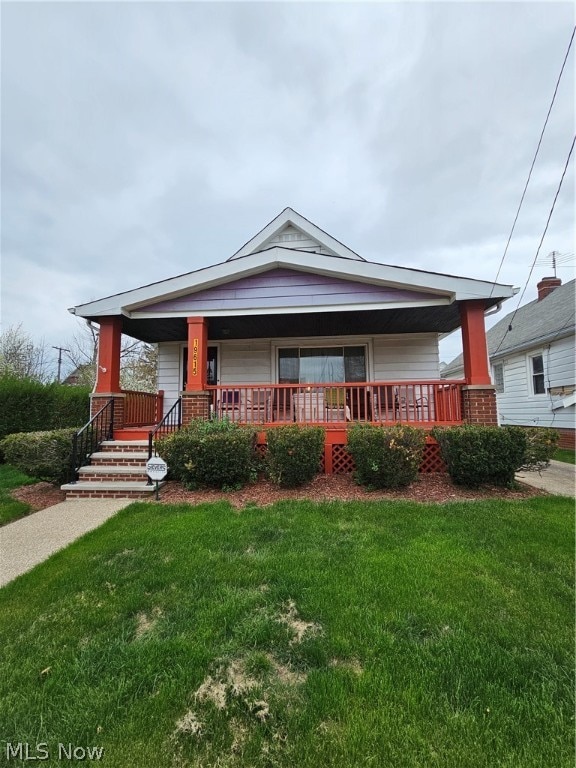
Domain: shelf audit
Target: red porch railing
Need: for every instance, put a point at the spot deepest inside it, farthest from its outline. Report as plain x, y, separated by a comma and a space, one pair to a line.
142, 408
422, 403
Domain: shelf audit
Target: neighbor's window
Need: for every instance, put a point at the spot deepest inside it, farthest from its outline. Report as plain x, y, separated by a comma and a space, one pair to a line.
311, 365
537, 363
498, 375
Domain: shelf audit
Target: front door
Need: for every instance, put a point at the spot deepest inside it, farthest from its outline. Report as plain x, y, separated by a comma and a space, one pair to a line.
212, 369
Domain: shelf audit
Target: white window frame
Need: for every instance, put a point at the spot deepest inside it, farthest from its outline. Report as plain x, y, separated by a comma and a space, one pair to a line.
530, 364
330, 341
498, 379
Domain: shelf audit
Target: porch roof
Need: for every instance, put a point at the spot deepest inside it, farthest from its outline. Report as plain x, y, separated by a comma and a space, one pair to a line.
418, 301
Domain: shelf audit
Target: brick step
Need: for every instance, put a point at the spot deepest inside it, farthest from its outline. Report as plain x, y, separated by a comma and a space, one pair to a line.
119, 458
109, 490
112, 473
124, 446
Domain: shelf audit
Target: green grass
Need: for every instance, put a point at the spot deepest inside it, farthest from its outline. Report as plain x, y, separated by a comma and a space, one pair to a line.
566, 455
10, 478
343, 634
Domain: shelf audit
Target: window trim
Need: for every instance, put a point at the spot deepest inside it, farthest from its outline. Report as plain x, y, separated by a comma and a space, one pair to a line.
302, 344
531, 374
499, 386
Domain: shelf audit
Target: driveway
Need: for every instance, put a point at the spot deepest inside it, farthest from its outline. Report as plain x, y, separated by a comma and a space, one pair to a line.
559, 478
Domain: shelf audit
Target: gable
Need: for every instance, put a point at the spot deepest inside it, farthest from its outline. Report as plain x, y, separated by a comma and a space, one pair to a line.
292, 230
282, 289
293, 237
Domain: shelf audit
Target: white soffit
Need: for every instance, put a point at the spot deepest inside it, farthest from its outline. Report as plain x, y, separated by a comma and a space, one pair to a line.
446, 286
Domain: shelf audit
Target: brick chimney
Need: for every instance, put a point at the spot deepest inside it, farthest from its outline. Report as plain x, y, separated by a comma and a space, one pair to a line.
547, 285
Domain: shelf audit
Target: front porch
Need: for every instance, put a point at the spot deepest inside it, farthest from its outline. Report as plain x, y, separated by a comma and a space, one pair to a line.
335, 407
422, 404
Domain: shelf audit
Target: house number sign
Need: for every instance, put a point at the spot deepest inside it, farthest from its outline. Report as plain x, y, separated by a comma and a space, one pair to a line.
195, 358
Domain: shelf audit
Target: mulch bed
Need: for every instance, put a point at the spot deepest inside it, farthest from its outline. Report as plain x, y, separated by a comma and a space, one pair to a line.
434, 488
39, 495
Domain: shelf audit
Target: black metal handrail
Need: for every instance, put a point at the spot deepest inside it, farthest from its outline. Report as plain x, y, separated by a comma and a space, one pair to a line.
170, 423
87, 440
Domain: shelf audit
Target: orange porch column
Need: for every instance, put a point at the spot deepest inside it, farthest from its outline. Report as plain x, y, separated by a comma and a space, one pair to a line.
197, 354
109, 340
475, 351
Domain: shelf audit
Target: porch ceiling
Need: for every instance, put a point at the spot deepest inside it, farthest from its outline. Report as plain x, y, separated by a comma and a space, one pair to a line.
439, 319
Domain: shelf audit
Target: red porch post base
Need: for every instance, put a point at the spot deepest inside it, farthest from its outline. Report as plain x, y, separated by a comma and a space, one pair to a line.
479, 404
99, 399
195, 405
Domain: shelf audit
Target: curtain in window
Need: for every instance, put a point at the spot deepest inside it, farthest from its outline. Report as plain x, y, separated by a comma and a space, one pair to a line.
313, 365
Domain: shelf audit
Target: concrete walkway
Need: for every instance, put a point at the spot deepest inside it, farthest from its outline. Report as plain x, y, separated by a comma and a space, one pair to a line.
27, 542
559, 478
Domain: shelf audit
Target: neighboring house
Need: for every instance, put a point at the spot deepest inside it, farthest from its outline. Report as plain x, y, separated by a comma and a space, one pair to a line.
83, 375
296, 327
532, 356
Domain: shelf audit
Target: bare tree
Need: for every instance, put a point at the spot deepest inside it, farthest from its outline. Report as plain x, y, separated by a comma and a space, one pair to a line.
21, 357
137, 360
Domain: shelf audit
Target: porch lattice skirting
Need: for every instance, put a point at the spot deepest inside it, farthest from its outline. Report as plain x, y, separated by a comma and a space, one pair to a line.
337, 461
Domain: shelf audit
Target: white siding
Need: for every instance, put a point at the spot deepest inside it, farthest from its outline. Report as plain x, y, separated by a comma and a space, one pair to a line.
406, 356
399, 357
559, 360
517, 404
169, 357
245, 362
292, 237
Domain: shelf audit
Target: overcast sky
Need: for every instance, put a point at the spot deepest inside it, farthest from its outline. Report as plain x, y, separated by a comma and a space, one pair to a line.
144, 140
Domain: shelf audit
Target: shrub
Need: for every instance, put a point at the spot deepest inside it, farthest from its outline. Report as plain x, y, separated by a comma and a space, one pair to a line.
294, 454
217, 454
478, 455
541, 444
29, 406
45, 455
386, 457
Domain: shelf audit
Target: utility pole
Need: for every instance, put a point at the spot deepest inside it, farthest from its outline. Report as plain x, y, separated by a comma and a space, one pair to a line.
60, 350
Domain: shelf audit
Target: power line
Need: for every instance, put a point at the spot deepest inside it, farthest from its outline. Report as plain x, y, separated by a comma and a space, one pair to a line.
539, 245
533, 162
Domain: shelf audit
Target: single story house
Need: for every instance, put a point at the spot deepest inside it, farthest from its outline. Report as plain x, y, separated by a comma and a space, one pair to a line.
295, 327
532, 356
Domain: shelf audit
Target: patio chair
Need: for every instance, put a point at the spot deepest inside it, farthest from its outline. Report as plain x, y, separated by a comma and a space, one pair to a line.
229, 405
384, 404
335, 404
257, 407
408, 404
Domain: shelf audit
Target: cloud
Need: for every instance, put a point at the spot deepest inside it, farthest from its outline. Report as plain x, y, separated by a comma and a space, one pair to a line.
144, 140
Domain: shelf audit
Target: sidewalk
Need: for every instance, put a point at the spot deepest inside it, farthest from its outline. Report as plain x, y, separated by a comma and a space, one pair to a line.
27, 542
559, 478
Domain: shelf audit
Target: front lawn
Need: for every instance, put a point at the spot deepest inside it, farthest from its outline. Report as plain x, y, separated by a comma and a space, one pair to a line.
565, 454
340, 634
11, 509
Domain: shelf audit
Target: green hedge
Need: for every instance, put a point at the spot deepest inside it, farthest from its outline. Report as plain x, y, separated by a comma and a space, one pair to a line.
45, 455
29, 406
294, 454
482, 455
386, 457
216, 454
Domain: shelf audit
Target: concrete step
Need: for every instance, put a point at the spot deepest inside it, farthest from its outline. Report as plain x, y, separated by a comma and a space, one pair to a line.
125, 445
109, 490
117, 458
112, 473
